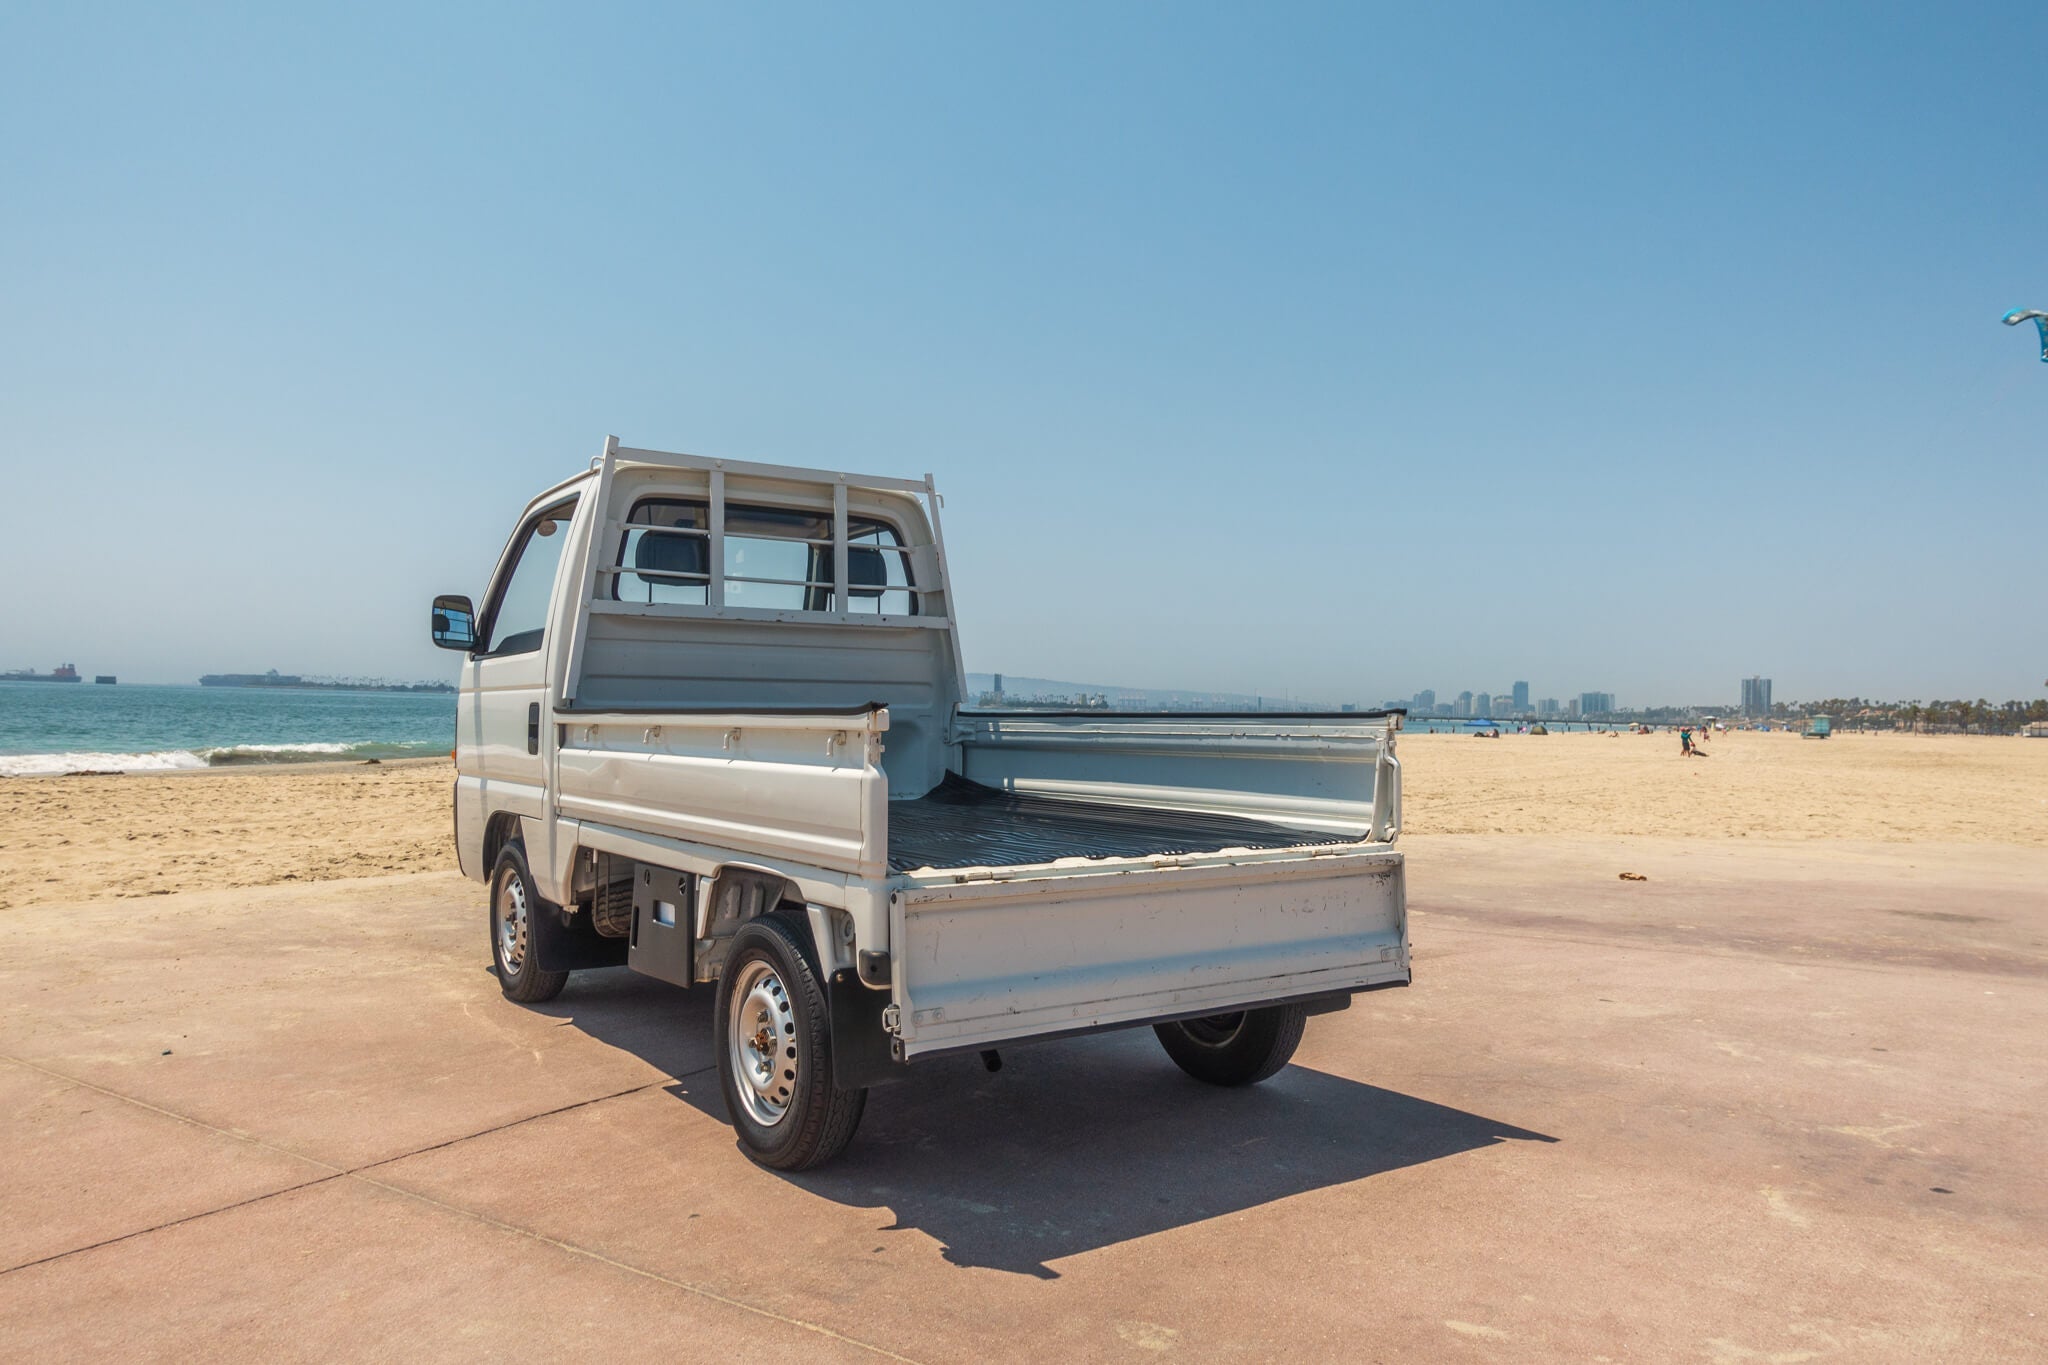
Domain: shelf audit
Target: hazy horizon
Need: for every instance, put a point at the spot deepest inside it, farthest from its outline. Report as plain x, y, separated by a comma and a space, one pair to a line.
1028, 685
1336, 351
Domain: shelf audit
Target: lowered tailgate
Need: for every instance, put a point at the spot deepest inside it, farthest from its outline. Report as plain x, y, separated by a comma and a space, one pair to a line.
984, 957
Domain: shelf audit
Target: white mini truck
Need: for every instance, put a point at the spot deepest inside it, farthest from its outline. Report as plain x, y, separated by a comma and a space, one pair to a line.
712, 727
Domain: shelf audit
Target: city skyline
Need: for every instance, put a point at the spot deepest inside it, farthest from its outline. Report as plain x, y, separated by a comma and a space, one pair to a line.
1514, 700
1754, 700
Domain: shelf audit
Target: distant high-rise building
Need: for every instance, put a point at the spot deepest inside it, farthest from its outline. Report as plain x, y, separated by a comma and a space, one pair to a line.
1425, 700
998, 688
1463, 706
1756, 697
1521, 698
1482, 705
1595, 703
1571, 708
1547, 707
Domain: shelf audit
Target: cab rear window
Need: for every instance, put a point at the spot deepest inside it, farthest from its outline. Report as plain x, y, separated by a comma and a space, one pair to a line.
778, 558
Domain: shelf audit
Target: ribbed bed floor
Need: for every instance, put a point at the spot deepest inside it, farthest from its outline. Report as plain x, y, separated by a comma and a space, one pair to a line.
964, 824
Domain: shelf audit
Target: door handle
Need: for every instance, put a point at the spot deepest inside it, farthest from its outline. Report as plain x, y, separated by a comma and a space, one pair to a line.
533, 728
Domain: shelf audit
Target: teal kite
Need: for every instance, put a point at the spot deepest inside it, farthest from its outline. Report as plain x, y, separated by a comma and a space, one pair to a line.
2020, 315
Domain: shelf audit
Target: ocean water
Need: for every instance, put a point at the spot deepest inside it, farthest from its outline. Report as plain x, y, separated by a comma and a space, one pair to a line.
73, 727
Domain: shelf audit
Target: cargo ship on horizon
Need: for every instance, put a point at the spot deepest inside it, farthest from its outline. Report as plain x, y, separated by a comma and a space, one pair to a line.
62, 673
271, 679
293, 682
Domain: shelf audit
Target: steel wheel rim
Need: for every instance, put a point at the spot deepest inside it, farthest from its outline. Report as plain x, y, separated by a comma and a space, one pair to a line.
1216, 1030
512, 923
760, 1044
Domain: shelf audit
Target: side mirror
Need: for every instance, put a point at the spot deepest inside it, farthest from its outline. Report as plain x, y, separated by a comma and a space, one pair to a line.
454, 623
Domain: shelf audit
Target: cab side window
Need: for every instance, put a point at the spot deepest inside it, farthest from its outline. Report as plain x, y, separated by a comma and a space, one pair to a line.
519, 616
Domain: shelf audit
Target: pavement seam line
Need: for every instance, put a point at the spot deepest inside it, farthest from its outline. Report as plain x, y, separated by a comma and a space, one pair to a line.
501, 1127
174, 1222
186, 1119
573, 1249
337, 1173
333, 1172
328, 1166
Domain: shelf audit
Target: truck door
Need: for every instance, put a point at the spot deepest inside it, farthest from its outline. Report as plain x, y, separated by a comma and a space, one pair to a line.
510, 676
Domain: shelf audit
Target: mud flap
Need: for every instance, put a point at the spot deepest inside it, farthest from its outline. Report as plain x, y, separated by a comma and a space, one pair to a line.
568, 942
861, 1055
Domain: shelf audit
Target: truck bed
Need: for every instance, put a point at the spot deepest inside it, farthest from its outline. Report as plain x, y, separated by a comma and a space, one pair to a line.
965, 824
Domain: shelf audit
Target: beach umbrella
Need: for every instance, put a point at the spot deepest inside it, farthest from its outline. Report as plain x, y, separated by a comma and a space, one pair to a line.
2020, 315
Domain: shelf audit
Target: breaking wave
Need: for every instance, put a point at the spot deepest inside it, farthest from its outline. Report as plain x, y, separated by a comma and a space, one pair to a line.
226, 756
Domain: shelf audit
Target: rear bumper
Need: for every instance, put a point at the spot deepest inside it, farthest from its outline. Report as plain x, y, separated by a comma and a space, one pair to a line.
1325, 1003
863, 1055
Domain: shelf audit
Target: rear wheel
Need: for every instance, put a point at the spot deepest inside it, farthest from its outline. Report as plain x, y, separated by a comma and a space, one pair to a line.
1234, 1049
775, 1052
514, 907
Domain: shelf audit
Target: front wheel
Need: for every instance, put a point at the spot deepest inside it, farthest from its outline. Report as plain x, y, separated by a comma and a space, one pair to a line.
514, 908
775, 1052
1234, 1049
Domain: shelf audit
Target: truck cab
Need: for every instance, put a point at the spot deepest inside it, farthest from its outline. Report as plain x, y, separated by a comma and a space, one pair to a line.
712, 726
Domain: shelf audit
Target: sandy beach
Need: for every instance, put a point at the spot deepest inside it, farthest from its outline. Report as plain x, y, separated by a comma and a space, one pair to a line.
90, 838
151, 834
1970, 789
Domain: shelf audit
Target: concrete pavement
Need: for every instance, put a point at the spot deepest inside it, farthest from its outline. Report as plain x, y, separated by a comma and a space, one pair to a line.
1776, 1102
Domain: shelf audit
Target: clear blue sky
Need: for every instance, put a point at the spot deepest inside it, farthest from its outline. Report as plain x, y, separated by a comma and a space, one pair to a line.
1339, 350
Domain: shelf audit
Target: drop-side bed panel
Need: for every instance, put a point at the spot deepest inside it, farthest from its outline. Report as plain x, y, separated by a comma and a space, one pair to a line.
803, 787
979, 962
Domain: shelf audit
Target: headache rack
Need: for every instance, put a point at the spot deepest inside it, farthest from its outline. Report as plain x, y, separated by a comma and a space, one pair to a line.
865, 567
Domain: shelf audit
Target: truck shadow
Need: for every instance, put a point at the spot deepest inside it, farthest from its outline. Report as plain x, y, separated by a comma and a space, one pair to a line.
1080, 1144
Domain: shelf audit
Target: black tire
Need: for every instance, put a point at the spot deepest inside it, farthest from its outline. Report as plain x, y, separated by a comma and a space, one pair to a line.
1234, 1049
521, 979
770, 962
